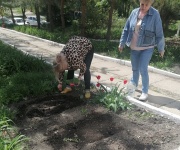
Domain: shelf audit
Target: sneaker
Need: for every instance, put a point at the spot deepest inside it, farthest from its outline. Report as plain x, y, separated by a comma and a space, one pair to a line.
66, 90
130, 89
87, 94
143, 97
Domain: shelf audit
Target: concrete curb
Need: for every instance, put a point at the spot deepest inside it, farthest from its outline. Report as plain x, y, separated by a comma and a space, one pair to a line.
154, 109
128, 63
177, 148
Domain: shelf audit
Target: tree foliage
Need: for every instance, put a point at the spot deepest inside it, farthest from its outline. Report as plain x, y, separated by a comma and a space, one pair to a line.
169, 11
89, 15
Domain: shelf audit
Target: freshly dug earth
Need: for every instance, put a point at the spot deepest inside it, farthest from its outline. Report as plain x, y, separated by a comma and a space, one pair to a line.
66, 122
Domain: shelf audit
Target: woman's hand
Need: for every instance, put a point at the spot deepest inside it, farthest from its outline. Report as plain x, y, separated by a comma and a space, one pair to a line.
59, 87
120, 48
161, 54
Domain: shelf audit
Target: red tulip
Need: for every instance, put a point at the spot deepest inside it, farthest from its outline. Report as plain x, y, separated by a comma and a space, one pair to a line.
98, 84
72, 84
111, 79
125, 81
98, 77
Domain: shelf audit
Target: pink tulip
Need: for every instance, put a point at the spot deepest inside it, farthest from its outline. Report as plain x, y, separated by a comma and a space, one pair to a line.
72, 84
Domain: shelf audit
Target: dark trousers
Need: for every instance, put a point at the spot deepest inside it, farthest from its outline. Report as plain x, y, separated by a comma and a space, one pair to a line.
87, 75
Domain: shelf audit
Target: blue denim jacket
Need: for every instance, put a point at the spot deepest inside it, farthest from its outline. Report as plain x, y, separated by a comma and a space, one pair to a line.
150, 33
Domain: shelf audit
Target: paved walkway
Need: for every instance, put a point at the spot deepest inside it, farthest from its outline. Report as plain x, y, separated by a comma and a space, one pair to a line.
164, 92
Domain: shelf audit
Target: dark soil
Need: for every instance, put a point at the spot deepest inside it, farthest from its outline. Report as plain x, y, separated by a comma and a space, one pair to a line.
66, 122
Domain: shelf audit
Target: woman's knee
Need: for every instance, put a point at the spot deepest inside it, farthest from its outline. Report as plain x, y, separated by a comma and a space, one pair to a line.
144, 72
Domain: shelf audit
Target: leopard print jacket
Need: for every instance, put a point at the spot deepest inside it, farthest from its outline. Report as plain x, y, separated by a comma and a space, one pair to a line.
75, 51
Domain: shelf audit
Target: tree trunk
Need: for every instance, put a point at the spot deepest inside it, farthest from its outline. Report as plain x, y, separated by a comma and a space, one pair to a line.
62, 14
83, 17
23, 14
50, 16
12, 15
37, 15
108, 34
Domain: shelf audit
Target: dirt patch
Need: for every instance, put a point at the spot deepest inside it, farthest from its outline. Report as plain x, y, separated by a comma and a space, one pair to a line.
66, 122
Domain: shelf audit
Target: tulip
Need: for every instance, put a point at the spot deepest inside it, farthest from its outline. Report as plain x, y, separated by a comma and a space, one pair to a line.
111, 79
98, 84
125, 81
98, 77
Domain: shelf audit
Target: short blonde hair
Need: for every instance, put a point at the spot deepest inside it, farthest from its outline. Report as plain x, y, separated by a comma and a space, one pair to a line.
147, 1
56, 71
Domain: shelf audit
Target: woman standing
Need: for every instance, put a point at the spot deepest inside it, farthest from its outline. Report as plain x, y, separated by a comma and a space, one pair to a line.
142, 32
76, 54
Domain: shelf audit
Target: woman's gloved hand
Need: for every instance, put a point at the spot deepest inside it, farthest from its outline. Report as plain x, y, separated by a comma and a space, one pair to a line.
66, 90
59, 87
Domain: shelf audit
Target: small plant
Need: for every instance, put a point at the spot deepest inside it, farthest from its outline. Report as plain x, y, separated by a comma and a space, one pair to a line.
10, 140
84, 111
74, 139
112, 98
6, 112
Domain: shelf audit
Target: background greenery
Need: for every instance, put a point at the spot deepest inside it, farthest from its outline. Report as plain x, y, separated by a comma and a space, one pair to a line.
90, 18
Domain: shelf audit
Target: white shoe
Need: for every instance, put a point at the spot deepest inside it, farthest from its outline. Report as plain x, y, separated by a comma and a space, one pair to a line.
130, 89
143, 97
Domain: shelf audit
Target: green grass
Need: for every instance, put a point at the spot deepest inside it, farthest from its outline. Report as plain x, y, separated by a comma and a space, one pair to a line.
18, 72
21, 76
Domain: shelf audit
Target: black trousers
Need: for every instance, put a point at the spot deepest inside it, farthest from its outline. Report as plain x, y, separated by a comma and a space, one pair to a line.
87, 75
